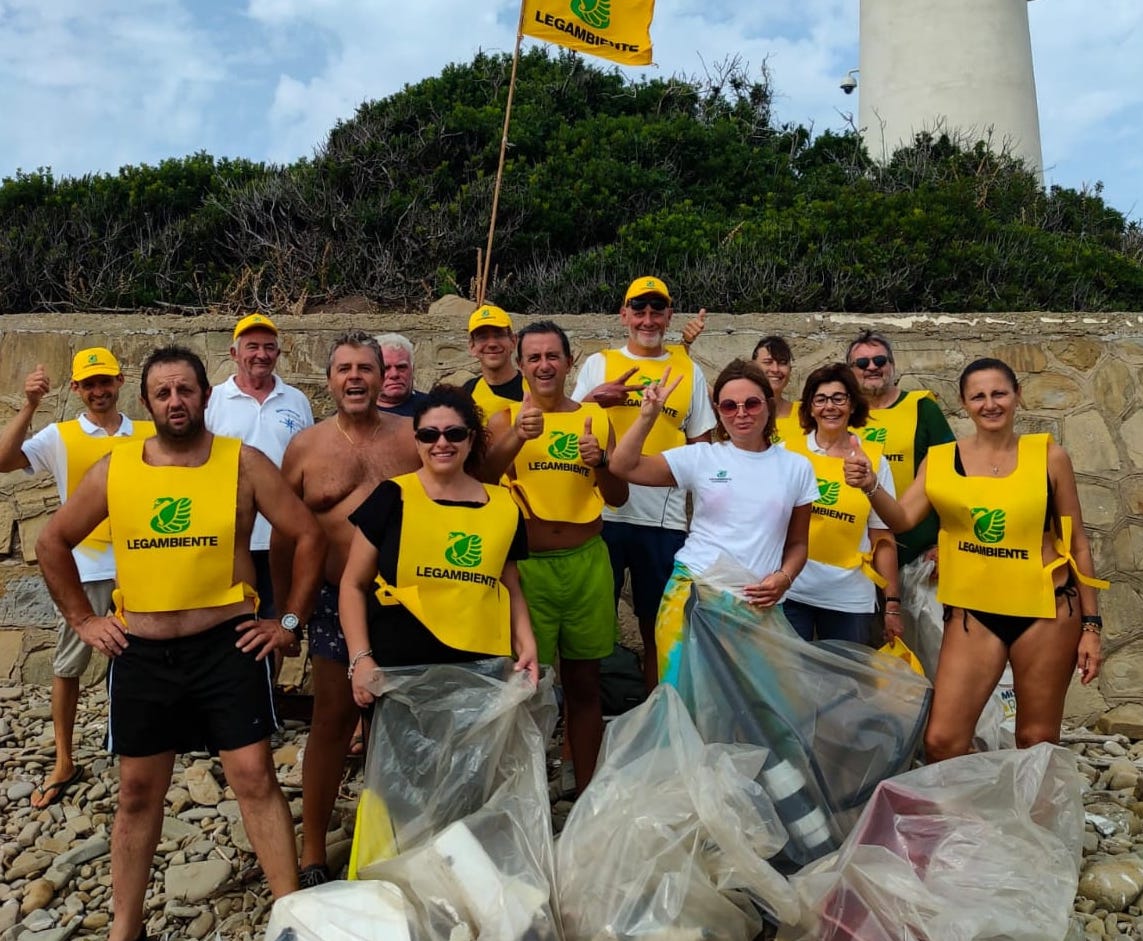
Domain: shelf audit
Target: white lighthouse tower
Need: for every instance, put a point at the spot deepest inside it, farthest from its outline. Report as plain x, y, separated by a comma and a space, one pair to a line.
964, 66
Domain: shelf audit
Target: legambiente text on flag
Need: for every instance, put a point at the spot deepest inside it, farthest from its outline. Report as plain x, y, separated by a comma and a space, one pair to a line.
619, 30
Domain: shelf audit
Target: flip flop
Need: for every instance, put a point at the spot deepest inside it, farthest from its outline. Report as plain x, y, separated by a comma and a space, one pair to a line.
55, 791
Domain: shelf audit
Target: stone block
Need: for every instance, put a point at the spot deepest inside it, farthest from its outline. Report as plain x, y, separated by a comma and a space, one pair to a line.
1131, 433
1129, 349
1024, 358
1089, 443
11, 652
1113, 387
1100, 504
1079, 353
1083, 705
1051, 391
452, 305
25, 602
1128, 548
29, 530
1125, 719
1121, 678
1122, 608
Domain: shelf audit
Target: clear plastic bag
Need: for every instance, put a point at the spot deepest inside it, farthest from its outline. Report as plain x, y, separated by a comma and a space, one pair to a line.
976, 848
836, 717
454, 822
671, 837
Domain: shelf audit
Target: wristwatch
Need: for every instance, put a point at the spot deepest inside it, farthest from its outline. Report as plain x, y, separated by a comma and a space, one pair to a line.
292, 623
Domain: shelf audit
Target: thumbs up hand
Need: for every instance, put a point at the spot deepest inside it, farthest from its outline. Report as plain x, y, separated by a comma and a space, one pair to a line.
858, 470
589, 450
694, 327
529, 420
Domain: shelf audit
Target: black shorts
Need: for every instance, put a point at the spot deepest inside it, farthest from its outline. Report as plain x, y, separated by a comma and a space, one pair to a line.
649, 552
197, 693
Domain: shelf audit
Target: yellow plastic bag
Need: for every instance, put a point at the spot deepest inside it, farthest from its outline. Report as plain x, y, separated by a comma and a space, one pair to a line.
897, 648
373, 836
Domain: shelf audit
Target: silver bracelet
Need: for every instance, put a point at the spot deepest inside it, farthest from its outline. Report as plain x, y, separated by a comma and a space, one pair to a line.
357, 658
872, 490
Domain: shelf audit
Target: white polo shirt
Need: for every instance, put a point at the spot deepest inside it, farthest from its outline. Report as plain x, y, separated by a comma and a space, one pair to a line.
267, 426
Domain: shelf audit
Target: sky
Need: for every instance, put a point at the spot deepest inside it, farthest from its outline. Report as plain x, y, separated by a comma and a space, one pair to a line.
91, 85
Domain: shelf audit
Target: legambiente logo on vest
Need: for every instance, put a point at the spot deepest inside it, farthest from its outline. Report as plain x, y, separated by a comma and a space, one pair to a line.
988, 527
564, 448
828, 493
464, 551
171, 518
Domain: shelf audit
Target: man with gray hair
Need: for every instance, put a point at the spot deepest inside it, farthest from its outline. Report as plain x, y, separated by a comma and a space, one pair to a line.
398, 397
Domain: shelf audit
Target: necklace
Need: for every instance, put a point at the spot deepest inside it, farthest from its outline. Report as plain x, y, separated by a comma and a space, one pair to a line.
356, 444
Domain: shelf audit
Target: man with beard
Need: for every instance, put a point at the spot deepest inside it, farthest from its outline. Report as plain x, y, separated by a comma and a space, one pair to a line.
644, 534
67, 450
190, 660
549, 445
256, 406
905, 424
333, 467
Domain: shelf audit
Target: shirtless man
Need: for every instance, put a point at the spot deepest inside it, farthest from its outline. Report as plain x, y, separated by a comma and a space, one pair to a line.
333, 467
191, 663
554, 451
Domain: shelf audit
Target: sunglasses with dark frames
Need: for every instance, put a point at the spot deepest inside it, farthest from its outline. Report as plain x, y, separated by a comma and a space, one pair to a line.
454, 434
837, 398
752, 406
862, 362
655, 303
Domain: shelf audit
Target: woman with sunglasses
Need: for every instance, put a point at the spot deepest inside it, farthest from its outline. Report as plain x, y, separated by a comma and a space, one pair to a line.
850, 549
1015, 566
431, 575
752, 499
773, 355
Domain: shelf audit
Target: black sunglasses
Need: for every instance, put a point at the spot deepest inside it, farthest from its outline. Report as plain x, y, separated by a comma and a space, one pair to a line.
655, 303
862, 362
454, 434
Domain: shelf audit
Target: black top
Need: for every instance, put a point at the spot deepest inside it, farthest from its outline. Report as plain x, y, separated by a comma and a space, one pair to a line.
512, 389
406, 408
397, 637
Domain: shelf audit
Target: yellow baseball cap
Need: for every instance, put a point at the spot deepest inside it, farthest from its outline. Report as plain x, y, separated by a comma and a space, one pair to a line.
95, 361
489, 316
647, 285
250, 321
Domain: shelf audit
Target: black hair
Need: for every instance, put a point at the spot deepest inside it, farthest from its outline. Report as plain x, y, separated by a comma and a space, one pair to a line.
776, 347
983, 365
542, 326
443, 395
174, 354
872, 337
745, 369
823, 375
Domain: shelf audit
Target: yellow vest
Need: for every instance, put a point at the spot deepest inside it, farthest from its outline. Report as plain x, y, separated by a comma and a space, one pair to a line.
667, 432
173, 530
788, 428
992, 532
839, 518
551, 480
449, 563
83, 452
490, 403
895, 429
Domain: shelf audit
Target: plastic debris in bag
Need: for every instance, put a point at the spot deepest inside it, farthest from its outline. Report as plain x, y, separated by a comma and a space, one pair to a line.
836, 717
671, 837
454, 819
984, 846
996, 727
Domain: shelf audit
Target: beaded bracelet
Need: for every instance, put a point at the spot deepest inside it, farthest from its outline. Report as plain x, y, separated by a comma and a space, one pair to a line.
357, 658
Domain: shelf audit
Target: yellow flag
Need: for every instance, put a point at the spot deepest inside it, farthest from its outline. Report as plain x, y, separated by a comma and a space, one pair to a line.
619, 30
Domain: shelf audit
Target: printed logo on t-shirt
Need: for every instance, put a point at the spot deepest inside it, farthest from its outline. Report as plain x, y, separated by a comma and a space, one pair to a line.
464, 550
828, 492
873, 433
172, 515
988, 525
290, 419
722, 477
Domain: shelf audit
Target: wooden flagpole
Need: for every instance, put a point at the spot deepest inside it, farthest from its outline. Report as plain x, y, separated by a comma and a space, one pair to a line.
482, 284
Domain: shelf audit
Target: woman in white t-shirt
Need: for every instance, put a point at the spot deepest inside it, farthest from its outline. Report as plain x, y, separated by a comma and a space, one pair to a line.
751, 499
851, 549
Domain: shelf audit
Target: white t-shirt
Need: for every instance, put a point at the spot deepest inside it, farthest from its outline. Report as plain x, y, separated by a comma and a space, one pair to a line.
652, 506
267, 426
830, 586
743, 501
45, 452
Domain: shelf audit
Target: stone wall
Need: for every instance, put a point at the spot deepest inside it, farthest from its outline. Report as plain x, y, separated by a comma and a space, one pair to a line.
1078, 371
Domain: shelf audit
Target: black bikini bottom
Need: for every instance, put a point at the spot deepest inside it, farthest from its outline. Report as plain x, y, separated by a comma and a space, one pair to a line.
1009, 627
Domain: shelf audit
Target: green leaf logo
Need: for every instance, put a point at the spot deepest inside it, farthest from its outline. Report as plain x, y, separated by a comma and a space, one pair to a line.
595, 13
828, 491
172, 515
565, 447
464, 551
870, 433
722, 475
644, 381
988, 524
92, 359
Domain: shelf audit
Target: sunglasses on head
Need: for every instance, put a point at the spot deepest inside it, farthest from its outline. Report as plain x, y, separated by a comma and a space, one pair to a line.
454, 434
837, 398
752, 406
862, 362
655, 303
